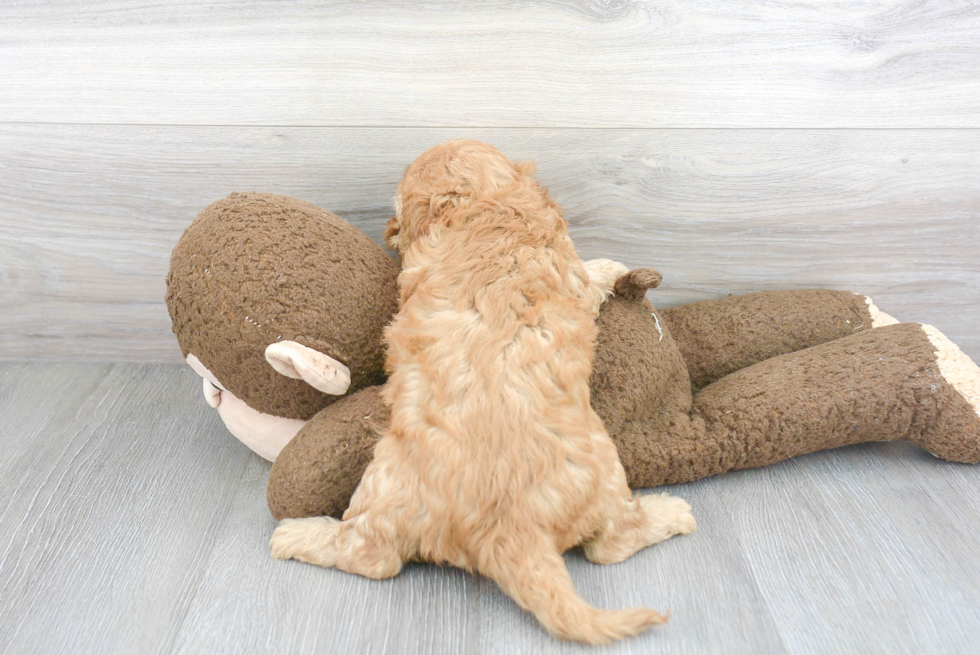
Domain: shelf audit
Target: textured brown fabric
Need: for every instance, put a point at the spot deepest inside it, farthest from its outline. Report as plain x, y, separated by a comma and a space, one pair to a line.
636, 374
317, 472
256, 268
876, 385
718, 337
634, 285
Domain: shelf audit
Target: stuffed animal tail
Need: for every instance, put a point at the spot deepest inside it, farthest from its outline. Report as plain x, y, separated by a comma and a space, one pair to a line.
538, 580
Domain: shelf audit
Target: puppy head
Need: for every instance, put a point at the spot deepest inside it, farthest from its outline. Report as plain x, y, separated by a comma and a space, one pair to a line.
447, 178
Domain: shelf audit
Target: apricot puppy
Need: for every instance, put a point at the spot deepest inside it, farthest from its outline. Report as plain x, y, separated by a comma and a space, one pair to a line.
494, 460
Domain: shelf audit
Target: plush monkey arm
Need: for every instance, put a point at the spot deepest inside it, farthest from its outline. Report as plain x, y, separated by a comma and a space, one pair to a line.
902, 382
718, 337
317, 472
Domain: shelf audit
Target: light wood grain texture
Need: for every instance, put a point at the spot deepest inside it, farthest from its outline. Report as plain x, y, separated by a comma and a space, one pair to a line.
89, 214
99, 552
663, 63
115, 495
880, 546
134, 523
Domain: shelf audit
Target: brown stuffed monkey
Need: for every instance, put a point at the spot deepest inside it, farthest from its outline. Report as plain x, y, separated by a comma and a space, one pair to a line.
279, 305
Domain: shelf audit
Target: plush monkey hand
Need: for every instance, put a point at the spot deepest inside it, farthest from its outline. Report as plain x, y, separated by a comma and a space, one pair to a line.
635, 284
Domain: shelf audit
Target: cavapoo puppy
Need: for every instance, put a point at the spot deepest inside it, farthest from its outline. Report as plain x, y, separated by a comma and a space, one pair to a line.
494, 461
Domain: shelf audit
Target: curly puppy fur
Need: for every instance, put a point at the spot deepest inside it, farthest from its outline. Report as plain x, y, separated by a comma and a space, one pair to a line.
494, 460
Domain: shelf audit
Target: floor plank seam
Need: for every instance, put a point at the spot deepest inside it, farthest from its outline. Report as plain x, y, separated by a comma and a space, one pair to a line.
193, 586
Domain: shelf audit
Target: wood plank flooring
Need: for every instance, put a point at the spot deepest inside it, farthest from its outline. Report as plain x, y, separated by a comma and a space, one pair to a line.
134, 523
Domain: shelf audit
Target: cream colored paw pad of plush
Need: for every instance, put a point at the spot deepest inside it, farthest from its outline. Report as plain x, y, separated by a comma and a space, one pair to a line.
878, 317
956, 367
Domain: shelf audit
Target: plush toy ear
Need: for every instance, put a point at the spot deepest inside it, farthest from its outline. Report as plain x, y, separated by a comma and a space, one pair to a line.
294, 360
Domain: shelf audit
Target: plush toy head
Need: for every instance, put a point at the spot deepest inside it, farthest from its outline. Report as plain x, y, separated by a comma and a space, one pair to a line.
279, 306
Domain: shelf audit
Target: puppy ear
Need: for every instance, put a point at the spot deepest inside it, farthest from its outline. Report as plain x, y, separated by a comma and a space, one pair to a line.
392, 227
294, 360
391, 233
439, 205
526, 167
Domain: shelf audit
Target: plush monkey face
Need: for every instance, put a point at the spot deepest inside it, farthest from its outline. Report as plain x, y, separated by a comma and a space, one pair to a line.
265, 434
279, 306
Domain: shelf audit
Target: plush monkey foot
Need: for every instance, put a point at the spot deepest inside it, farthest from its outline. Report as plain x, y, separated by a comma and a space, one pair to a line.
955, 436
878, 317
900, 382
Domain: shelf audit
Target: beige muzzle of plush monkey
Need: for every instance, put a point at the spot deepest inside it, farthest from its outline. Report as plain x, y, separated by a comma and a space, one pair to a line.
263, 433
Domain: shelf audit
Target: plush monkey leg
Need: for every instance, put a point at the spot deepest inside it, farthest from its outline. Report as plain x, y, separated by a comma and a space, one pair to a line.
317, 472
719, 337
904, 381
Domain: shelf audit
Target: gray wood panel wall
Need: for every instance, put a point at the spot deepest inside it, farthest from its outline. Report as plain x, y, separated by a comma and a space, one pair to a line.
733, 146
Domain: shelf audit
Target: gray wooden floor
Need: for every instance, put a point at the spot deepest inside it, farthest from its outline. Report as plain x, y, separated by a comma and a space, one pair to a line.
134, 523
735, 146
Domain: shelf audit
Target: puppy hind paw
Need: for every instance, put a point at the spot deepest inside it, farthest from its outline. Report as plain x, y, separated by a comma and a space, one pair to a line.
686, 524
307, 540
669, 515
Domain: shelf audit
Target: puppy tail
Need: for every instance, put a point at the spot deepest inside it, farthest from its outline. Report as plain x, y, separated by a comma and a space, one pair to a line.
538, 580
